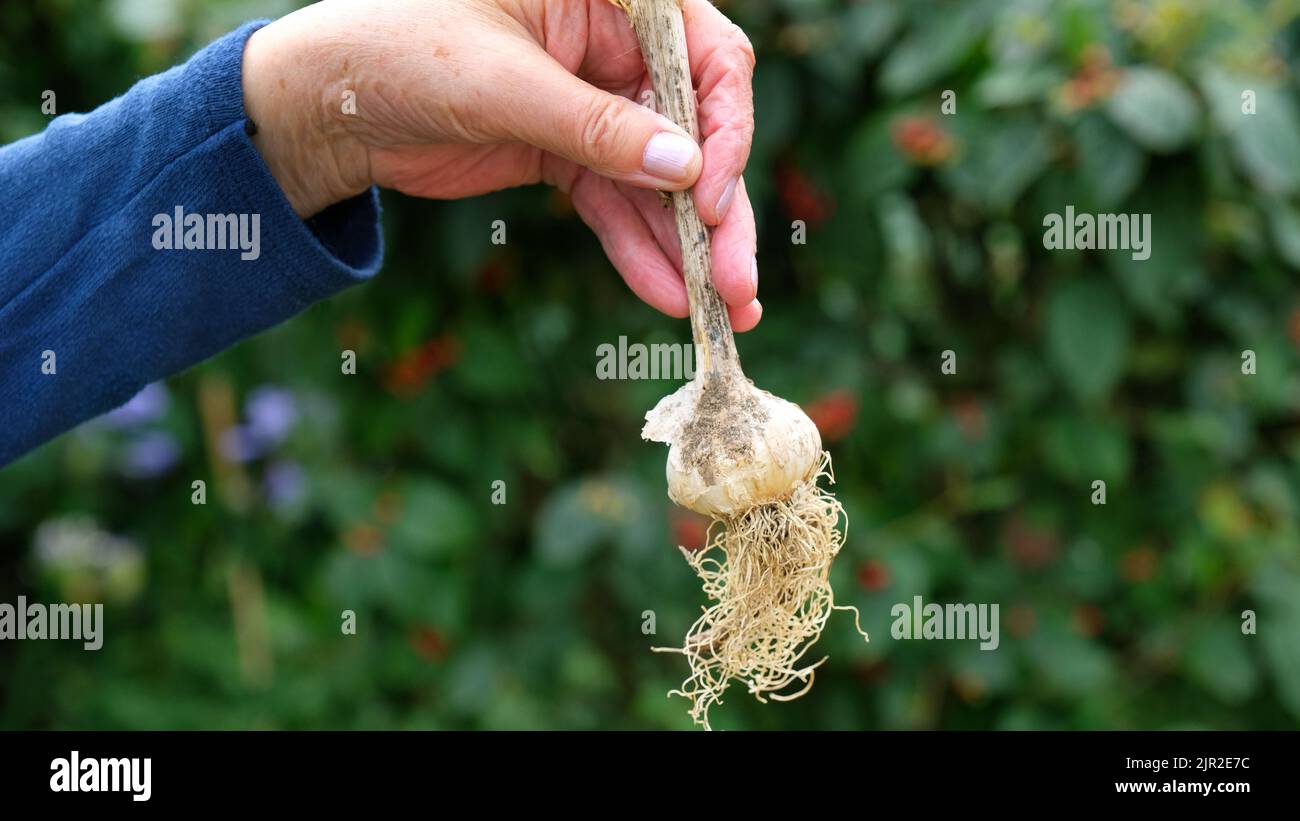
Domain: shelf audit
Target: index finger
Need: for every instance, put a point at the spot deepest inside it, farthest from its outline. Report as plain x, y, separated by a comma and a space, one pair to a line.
722, 70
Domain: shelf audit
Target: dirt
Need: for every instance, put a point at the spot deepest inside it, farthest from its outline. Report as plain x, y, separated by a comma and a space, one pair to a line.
727, 418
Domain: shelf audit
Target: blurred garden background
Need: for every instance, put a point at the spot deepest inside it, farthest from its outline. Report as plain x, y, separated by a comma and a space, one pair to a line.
476, 363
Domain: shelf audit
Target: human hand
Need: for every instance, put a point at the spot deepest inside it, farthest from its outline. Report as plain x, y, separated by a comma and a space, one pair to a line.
455, 98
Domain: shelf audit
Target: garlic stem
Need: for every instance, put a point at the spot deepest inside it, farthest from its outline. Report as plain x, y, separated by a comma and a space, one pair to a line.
662, 34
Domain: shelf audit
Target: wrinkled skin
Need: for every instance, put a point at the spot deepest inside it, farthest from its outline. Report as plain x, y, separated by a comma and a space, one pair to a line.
460, 97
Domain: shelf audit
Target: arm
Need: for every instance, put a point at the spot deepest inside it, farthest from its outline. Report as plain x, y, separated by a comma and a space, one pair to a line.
451, 98
90, 310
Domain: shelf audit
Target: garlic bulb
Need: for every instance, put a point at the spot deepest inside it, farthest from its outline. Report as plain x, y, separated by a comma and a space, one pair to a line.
732, 446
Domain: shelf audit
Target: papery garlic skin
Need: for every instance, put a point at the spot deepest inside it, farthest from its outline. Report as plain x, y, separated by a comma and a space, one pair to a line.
784, 449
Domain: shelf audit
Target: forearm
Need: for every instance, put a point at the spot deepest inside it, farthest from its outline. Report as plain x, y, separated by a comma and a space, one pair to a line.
95, 299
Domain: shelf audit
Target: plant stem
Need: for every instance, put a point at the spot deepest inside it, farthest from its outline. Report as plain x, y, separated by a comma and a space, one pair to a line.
661, 32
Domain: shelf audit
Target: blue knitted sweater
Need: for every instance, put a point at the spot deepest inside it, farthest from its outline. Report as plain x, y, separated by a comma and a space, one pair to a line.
97, 299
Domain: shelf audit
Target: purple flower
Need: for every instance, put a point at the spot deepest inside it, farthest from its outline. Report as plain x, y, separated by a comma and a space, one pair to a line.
146, 406
149, 455
285, 484
240, 444
272, 413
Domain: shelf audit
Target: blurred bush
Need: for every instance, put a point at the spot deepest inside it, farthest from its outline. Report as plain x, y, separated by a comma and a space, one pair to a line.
476, 364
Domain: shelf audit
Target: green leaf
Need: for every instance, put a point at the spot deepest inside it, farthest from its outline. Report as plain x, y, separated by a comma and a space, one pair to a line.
940, 44
1069, 664
776, 87
875, 164
583, 515
1217, 659
1284, 221
371, 581
1266, 144
1109, 163
1284, 659
908, 255
998, 160
1087, 336
436, 521
1016, 84
491, 365
1176, 272
867, 27
1155, 108
1277, 584
345, 497
1079, 449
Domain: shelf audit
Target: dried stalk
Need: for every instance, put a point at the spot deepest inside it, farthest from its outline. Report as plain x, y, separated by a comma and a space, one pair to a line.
660, 31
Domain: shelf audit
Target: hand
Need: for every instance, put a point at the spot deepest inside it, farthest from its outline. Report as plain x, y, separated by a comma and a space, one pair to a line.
455, 98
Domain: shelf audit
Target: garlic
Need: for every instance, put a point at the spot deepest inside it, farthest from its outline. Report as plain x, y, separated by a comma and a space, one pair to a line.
742, 447
746, 458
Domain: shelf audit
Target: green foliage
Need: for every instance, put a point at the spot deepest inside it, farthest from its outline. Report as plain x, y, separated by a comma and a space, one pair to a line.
476, 365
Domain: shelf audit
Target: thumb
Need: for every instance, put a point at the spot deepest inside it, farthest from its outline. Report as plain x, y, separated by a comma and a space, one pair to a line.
548, 107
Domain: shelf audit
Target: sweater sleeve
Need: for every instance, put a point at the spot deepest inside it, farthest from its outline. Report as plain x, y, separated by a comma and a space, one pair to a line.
146, 236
